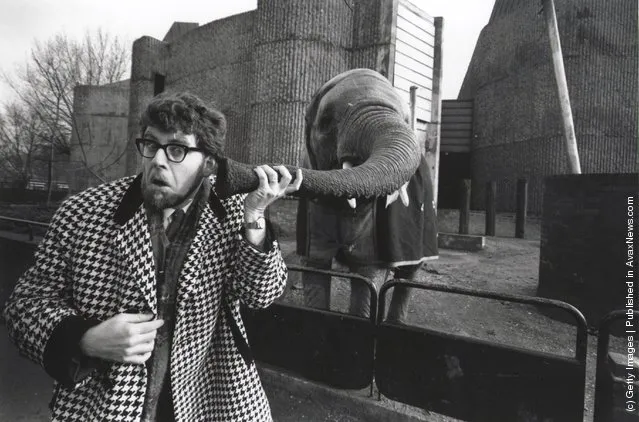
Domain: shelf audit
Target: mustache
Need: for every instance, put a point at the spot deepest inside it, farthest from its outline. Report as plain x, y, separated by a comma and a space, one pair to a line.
156, 178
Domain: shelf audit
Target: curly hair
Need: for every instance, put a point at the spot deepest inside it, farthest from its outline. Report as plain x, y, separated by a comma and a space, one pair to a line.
172, 112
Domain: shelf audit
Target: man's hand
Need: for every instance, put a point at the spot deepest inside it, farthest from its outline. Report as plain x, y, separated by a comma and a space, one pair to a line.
127, 338
270, 189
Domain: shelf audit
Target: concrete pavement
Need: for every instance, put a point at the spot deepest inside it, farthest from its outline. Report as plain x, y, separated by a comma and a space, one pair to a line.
25, 392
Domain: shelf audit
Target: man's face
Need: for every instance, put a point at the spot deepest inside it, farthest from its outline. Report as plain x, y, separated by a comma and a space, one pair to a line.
165, 183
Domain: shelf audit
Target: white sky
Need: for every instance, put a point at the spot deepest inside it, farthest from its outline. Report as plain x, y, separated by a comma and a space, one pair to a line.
23, 21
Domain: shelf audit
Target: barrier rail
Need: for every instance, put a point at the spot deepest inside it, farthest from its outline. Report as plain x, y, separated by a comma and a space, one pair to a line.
344, 351
477, 380
610, 385
321, 345
29, 223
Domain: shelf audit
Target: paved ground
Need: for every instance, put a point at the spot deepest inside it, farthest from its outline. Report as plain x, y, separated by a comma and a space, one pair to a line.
25, 389
506, 265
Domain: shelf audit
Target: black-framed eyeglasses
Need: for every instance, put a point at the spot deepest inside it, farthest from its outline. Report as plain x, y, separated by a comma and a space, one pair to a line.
174, 152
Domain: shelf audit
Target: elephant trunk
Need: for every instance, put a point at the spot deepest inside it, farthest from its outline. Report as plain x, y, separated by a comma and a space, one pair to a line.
391, 156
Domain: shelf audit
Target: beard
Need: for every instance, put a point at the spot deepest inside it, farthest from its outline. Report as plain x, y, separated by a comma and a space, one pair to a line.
157, 199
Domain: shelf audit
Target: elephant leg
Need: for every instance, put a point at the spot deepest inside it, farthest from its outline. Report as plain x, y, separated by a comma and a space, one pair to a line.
398, 308
317, 287
358, 253
323, 245
360, 300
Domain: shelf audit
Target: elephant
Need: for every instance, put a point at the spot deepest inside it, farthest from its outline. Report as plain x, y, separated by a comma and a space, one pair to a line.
361, 157
371, 131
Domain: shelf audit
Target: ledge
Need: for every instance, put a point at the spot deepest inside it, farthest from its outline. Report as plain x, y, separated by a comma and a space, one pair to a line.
461, 242
283, 388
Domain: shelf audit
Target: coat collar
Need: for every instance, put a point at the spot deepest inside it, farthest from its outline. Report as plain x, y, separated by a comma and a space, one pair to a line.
132, 200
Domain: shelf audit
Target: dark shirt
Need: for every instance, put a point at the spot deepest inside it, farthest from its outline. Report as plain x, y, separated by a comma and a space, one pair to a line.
169, 255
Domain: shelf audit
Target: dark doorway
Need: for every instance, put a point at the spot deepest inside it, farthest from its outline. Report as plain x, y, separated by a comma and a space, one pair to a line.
453, 168
158, 83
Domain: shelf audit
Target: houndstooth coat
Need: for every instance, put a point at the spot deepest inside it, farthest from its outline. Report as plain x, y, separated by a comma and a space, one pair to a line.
90, 265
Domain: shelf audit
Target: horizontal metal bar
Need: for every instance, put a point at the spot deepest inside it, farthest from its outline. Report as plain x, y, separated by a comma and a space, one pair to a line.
351, 276
582, 333
21, 221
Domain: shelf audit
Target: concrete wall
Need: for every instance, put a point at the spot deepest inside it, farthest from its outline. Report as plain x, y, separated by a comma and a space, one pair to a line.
214, 62
99, 138
583, 241
518, 131
146, 62
262, 67
299, 45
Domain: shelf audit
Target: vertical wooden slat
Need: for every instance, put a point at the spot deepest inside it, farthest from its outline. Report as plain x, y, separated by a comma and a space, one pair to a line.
436, 104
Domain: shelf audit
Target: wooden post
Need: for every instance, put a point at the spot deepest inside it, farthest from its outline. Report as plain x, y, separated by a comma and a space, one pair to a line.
491, 196
522, 208
562, 86
436, 104
464, 207
413, 106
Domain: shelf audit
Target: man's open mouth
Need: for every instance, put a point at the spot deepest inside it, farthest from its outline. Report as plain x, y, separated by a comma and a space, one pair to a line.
159, 182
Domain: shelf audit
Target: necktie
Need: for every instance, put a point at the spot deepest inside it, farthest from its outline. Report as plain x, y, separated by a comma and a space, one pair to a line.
174, 225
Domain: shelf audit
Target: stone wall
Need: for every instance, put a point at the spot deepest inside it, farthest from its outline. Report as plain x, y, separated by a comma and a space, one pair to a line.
518, 132
99, 137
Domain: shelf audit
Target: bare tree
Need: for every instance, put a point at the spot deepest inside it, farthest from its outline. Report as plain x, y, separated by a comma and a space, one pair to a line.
20, 143
45, 83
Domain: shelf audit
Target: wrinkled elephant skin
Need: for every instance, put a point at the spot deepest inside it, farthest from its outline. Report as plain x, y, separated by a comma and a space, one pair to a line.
357, 117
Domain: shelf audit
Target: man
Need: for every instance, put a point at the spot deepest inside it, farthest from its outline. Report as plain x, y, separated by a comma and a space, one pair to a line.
132, 305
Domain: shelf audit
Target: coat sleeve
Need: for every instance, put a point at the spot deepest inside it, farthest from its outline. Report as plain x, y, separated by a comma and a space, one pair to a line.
41, 301
259, 274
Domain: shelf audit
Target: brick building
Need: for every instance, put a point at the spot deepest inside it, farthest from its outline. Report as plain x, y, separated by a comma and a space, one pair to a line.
517, 130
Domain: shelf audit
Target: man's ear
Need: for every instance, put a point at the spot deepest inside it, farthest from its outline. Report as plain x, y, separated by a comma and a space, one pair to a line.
210, 166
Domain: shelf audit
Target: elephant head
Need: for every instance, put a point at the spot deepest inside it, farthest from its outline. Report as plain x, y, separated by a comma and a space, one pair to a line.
356, 117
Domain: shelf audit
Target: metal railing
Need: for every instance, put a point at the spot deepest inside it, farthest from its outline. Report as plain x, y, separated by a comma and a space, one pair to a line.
29, 223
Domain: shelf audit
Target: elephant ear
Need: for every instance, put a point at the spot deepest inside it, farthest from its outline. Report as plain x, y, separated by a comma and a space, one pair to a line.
375, 125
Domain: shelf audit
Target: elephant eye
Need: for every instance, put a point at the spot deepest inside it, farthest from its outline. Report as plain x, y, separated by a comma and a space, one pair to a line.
324, 122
